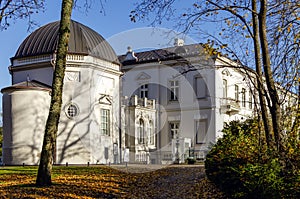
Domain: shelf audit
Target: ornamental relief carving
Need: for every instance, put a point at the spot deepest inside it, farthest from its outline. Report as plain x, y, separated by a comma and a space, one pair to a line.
72, 76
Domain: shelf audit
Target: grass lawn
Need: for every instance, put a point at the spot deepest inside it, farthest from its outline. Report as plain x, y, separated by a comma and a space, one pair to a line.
106, 182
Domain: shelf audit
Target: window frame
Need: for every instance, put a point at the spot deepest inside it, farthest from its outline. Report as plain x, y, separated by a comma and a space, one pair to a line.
151, 133
68, 111
204, 134
105, 119
196, 77
243, 92
236, 93
144, 90
174, 132
250, 100
225, 88
141, 131
174, 90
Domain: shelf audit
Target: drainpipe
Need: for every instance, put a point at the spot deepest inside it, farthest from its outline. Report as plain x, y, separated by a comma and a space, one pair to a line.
159, 115
120, 116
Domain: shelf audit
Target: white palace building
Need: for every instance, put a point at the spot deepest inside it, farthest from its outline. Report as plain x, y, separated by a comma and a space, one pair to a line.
149, 107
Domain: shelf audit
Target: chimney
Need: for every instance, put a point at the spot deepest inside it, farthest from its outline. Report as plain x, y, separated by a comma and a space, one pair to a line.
130, 55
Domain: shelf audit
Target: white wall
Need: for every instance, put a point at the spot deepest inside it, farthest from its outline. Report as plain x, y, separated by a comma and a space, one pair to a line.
24, 124
84, 129
188, 109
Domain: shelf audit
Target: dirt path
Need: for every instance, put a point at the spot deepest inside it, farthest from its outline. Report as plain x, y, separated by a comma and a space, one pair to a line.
173, 181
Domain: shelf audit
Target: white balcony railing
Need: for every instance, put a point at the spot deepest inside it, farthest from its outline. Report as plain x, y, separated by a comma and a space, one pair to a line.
143, 102
230, 106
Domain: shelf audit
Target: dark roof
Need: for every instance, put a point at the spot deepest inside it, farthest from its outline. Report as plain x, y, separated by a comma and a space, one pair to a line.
83, 40
171, 53
31, 84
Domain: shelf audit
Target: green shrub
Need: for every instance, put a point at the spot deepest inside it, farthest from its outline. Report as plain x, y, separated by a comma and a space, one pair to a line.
241, 165
191, 160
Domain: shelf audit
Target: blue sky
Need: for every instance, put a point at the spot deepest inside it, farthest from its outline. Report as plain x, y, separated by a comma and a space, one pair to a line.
115, 26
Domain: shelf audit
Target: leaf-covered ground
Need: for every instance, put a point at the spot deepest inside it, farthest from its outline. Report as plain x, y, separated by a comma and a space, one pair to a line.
107, 182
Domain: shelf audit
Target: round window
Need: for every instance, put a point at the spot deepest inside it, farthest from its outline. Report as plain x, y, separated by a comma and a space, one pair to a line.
72, 110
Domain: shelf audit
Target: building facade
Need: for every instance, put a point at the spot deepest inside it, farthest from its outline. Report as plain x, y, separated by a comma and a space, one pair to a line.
156, 106
89, 120
195, 94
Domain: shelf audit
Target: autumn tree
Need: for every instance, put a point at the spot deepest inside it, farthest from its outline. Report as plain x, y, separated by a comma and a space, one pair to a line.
259, 33
45, 166
11, 10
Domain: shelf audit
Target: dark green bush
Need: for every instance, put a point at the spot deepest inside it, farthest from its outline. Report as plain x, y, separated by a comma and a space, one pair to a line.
191, 160
241, 165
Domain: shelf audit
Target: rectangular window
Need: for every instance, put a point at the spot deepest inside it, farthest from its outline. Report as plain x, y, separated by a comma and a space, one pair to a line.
144, 91
201, 131
236, 92
174, 130
250, 100
224, 88
200, 87
243, 97
105, 121
174, 87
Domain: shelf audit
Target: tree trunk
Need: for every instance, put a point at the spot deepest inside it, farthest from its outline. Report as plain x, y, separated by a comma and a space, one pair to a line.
45, 166
260, 88
275, 106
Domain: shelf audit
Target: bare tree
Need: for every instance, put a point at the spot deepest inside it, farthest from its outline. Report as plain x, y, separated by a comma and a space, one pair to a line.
267, 31
45, 166
11, 10
49, 143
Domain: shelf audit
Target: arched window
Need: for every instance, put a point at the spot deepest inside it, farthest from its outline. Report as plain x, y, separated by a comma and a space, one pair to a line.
141, 133
224, 88
151, 133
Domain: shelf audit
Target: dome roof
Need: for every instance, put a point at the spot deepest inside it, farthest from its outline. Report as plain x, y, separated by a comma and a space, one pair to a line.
83, 40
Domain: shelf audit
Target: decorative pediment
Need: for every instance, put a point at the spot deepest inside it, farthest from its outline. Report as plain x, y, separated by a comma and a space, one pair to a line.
226, 72
142, 76
105, 99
